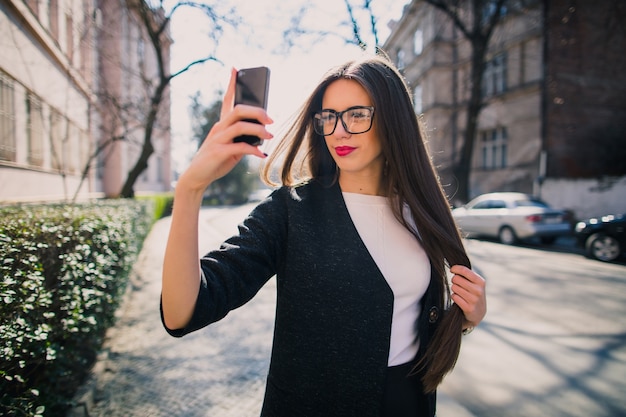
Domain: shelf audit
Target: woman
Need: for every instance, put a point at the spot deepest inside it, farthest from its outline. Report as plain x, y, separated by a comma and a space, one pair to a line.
358, 236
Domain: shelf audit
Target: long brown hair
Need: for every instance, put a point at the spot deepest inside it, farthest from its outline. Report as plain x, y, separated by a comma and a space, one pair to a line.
410, 179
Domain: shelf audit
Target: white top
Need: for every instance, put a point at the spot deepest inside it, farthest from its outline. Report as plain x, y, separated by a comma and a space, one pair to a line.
402, 261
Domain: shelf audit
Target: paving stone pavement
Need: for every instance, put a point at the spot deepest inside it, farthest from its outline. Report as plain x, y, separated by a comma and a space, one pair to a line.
218, 371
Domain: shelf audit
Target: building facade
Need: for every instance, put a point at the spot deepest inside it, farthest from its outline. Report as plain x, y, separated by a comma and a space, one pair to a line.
533, 94
52, 80
128, 78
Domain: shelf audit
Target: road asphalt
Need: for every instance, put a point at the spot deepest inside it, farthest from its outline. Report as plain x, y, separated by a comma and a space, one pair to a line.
218, 371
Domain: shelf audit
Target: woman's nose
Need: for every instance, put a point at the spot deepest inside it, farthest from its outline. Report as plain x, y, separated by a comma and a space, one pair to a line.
340, 130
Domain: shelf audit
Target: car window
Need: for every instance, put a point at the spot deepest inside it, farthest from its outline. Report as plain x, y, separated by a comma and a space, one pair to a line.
531, 203
497, 204
489, 204
482, 205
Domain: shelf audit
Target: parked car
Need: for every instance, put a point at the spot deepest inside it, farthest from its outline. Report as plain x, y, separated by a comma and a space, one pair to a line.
603, 238
511, 217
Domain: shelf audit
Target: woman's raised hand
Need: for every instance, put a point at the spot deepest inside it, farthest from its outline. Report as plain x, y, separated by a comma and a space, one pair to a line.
218, 154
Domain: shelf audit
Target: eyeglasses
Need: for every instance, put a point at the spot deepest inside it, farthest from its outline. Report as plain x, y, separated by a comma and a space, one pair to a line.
355, 120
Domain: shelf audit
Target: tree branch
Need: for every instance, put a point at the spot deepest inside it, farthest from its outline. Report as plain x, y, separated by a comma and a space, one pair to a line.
192, 64
494, 19
368, 7
453, 14
355, 27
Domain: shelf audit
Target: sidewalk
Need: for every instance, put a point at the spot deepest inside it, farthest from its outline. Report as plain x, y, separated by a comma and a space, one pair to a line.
216, 372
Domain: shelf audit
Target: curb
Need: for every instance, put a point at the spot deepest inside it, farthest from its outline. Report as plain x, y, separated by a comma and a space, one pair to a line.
86, 396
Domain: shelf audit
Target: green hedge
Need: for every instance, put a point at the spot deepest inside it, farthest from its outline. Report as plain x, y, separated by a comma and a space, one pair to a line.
163, 203
64, 269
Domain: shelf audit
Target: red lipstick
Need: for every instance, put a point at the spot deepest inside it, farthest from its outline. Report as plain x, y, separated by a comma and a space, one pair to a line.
344, 150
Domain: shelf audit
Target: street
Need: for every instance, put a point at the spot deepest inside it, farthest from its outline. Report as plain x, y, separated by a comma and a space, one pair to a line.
553, 342
554, 339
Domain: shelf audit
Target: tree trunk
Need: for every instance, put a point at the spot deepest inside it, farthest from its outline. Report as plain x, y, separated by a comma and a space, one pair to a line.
463, 168
128, 190
478, 35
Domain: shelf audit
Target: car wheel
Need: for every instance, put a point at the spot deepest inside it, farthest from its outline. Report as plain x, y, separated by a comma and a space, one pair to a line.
603, 247
507, 236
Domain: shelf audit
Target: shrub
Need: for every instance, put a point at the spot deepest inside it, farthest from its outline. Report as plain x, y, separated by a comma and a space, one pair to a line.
64, 269
163, 203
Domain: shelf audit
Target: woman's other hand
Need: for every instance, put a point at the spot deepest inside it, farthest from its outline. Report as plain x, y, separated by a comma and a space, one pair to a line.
468, 292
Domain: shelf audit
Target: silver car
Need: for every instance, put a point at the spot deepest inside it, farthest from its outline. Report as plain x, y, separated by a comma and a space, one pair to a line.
511, 217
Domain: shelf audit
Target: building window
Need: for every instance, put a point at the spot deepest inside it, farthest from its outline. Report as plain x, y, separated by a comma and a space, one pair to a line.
7, 118
417, 99
53, 16
85, 150
159, 169
494, 77
400, 59
34, 129
56, 139
489, 9
34, 6
141, 48
418, 42
145, 175
101, 164
494, 148
69, 36
71, 148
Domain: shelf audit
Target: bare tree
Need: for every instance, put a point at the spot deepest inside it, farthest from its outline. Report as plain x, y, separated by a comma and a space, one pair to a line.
356, 31
126, 116
476, 20
156, 23
349, 31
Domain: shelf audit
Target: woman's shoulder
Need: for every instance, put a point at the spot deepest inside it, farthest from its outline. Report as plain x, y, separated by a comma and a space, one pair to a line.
303, 190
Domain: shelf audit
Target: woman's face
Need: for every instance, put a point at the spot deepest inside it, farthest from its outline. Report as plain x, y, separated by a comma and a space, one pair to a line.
358, 156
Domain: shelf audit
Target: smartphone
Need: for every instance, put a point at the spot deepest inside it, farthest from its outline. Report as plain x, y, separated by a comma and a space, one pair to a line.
252, 88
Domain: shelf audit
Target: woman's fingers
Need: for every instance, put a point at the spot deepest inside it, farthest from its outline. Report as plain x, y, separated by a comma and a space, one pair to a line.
468, 292
468, 273
228, 101
219, 153
245, 113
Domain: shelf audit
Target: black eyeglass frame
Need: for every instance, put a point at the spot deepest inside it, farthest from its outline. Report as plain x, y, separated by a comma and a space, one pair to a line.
339, 116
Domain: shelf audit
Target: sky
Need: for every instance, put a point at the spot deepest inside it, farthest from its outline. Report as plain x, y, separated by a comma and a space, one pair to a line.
259, 41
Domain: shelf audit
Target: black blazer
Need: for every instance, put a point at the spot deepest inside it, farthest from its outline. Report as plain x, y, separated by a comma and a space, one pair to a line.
334, 307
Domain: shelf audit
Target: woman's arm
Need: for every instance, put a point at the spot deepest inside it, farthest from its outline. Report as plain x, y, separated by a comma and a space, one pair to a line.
181, 268
215, 158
